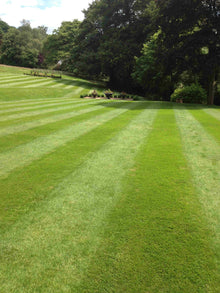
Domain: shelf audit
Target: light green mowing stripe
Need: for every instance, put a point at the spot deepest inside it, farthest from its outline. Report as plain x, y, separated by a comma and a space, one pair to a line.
9, 78
25, 154
40, 105
35, 102
210, 123
56, 85
39, 84
21, 81
60, 237
26, 187
43, 121
10, 142
156, 238
203, 155
69, 95
213, 112
39, 112
47, 114
78, 90
29, 101
71, 86
4, 76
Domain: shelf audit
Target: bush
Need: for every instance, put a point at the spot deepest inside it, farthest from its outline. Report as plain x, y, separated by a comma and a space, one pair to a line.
193, 93
137, 98
94, 94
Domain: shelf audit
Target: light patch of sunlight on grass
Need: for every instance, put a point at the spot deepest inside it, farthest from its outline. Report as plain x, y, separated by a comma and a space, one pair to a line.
213, 112
63, 234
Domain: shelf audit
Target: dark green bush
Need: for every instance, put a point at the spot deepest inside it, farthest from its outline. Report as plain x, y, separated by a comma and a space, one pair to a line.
137, 98
193, 93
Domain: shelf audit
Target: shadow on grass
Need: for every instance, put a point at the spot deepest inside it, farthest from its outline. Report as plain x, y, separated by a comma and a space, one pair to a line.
153, 105
79, 83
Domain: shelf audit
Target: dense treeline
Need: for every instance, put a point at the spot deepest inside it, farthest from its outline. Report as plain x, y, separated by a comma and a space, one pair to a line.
146, 46
22, 46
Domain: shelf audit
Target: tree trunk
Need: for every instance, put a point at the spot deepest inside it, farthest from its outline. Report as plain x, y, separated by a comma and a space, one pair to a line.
211, 89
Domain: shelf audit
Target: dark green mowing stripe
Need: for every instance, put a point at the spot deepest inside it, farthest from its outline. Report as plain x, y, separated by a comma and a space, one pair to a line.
36, 105
25, 188
12, 115
156, 239
11, 141
57, 110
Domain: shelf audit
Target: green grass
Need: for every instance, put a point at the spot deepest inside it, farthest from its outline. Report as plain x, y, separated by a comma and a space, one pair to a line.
105, 196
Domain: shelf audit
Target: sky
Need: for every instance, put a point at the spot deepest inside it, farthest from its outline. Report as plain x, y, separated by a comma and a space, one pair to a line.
49, 13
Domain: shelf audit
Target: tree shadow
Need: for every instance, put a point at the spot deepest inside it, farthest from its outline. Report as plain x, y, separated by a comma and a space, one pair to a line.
78, 83
141, 105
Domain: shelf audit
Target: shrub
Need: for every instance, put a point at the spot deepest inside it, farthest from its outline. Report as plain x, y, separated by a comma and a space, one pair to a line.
94, 94
136, 98
193, 93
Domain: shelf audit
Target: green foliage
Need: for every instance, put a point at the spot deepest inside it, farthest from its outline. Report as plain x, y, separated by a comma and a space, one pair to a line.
193, 93
111, 34
59, 45
4, 26
190, 39
22, 46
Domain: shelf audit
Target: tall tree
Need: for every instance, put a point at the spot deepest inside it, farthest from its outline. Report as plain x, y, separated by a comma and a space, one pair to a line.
59, 45
23, 46
111, 34
191, 36
4, 27
151, 73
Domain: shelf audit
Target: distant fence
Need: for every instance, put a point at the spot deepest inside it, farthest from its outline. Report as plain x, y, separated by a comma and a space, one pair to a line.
45, 73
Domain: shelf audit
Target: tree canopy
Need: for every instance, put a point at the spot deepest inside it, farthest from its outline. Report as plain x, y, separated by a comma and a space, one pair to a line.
22, 46
146, 46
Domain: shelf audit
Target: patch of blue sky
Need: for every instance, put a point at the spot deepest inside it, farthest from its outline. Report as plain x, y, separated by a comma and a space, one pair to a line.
42, 4
48, 3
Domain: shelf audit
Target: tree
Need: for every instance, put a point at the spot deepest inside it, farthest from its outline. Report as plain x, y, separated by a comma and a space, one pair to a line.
190, 34
59, 45
23, 46
4, 27
150, 72
111, 34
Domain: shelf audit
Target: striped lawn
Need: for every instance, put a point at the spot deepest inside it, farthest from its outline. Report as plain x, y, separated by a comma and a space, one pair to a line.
104, 196
34, 112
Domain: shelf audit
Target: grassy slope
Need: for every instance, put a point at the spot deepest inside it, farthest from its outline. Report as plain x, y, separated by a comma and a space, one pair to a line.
105, 196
